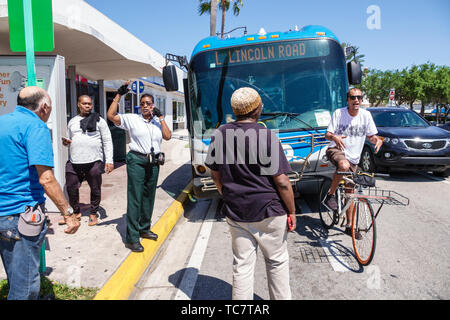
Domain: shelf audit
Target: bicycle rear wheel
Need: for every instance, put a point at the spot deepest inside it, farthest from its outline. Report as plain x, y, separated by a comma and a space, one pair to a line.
364, 233
327, 216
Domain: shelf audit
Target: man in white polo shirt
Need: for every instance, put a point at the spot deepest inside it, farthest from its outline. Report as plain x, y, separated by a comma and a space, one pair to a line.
89, 141
146, 133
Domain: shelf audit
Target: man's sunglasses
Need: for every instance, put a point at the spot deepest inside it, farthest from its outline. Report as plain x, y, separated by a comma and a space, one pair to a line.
356, 97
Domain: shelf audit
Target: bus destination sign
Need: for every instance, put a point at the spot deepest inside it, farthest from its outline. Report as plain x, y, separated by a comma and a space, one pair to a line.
268, 52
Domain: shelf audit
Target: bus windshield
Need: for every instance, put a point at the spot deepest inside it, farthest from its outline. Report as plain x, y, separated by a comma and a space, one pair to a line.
300, 82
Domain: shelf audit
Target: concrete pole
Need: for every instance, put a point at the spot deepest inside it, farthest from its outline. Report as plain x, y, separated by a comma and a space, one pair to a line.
73, 91
102, 98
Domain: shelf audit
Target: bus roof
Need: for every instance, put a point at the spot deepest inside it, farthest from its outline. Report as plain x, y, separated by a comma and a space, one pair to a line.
306, 32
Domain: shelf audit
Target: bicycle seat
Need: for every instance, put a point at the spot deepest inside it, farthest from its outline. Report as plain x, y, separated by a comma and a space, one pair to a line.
364, 179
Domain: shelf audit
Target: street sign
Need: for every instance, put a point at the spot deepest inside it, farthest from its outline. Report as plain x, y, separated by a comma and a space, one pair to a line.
137, 85
391, 97
42, 26
392, 94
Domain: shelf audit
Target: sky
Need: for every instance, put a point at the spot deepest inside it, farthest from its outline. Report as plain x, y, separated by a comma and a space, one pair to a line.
392, 34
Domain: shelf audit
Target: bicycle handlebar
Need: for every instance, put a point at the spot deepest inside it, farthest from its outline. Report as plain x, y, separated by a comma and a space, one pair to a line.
374, 174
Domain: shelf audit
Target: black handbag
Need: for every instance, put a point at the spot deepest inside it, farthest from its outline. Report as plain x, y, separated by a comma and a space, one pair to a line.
364, 179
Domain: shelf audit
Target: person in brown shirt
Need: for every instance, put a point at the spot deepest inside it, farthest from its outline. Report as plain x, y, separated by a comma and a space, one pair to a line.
249, 168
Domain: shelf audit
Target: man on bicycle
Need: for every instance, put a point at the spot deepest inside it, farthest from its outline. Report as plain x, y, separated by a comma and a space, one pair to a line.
353, 125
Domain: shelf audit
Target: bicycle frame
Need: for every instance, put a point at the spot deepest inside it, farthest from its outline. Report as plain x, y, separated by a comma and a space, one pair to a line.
348, 198
363, 216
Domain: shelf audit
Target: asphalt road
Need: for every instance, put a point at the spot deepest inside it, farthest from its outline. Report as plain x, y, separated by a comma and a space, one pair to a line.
411, 259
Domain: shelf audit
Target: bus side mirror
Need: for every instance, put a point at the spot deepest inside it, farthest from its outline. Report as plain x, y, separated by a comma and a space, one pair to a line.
348, 51
170, 78
354, 72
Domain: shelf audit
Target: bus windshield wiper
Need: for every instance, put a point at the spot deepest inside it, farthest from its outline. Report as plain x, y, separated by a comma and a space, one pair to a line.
291, 115
281, 113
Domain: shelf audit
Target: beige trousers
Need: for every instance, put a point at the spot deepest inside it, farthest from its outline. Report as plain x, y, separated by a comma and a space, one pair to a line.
271, 236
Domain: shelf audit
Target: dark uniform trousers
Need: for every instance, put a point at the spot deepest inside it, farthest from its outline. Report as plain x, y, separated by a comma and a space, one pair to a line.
76, 174
141, 190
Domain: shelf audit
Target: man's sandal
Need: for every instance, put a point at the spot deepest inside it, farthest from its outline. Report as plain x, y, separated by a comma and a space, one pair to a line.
92, 220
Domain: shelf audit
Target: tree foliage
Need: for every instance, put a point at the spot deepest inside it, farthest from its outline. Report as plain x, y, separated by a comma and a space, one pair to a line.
427, 83
224, 6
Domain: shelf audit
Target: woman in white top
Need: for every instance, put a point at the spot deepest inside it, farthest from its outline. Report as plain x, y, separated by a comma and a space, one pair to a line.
146, 133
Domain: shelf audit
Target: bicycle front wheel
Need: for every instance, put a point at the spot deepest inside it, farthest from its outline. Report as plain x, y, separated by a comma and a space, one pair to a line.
327, 216
364, 233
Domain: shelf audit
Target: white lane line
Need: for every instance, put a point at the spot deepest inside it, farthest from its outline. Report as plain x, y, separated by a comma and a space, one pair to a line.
187, 284
338, 265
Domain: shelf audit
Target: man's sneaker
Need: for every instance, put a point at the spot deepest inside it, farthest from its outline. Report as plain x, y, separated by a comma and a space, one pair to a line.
330, 201
348, 230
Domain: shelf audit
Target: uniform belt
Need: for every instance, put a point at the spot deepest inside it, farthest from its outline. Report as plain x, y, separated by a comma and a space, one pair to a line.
145, 155
140, 154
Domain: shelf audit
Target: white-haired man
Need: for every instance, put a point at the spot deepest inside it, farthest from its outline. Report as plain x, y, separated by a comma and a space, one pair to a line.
26, 163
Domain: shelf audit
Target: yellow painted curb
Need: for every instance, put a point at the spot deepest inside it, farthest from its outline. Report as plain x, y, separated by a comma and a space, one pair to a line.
121, 284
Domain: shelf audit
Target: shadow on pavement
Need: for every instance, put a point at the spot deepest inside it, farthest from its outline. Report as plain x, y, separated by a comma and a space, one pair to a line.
206, 287
177, 180
85, 211
121, 225
312, 229
412, 176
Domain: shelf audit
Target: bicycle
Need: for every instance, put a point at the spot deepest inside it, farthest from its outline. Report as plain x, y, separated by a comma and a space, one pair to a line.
364, 233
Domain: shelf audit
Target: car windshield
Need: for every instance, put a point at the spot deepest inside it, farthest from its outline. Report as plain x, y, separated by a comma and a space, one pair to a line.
398, 119
301, 83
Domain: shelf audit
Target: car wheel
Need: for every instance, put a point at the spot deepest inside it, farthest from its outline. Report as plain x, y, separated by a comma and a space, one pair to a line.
367, 164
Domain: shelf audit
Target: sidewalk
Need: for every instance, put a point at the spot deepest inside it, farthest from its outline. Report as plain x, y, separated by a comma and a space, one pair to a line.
89, 257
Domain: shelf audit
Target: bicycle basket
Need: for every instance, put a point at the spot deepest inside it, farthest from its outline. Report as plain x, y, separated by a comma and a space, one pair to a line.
380, 196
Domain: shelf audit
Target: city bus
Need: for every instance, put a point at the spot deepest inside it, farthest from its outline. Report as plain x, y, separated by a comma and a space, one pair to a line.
302, 77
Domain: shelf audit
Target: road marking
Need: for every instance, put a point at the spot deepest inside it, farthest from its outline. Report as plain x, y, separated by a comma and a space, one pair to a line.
187, 284
337, 265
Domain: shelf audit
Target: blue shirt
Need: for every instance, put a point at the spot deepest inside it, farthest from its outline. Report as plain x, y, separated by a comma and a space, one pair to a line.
24, 142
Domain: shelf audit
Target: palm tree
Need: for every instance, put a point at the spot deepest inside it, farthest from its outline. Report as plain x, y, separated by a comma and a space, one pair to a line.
224, 5
205, 7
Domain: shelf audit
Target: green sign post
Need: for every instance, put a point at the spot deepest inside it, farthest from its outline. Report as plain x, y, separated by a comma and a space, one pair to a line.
41, 14
30, 30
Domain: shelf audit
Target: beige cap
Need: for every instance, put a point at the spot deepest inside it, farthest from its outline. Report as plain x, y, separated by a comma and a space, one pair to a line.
245, 100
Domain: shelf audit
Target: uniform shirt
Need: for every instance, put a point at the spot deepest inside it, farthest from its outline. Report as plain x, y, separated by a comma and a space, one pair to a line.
25, 142
144, 134
249, 192
354, 128
87, 147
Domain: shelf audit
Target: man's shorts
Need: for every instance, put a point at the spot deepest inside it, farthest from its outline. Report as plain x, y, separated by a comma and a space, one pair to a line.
335, 155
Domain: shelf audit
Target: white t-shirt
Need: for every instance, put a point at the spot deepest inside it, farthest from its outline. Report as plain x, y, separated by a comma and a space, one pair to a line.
144, 134
87, 147
356, 129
